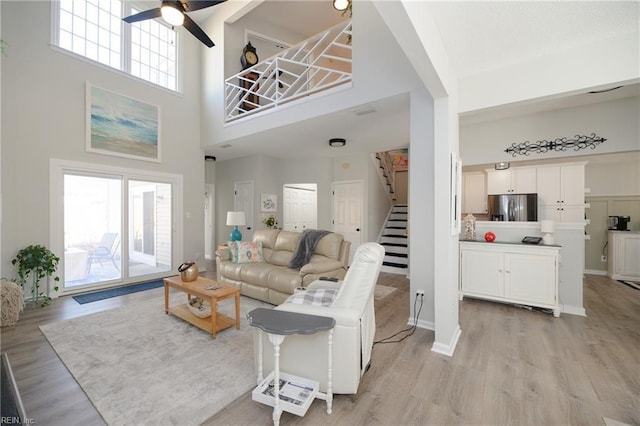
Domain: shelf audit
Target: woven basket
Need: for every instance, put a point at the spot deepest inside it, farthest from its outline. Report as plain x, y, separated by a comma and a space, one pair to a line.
199, 307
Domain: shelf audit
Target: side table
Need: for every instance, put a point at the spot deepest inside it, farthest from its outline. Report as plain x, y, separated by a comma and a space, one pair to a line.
278, 325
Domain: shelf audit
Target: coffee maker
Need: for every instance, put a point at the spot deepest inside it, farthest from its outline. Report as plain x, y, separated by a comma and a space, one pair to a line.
619, 223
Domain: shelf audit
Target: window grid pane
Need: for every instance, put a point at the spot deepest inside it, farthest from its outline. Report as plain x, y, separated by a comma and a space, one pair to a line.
153, 53
94, 29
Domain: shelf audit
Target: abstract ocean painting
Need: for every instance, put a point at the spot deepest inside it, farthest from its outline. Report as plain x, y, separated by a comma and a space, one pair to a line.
122, 126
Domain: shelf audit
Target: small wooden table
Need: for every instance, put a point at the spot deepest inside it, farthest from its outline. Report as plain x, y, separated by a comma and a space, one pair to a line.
217, 321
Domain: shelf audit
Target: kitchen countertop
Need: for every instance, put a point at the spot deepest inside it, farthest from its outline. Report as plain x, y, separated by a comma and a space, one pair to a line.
509, 243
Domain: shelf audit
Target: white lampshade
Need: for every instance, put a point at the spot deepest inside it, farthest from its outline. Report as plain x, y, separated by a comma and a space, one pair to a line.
236, 219
548, 226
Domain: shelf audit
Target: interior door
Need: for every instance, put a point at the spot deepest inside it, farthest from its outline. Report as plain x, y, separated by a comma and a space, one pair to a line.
243, 201
348, 200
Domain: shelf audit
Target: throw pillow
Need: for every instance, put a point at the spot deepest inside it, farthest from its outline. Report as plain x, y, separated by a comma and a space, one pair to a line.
233, 250
249, 252
318, 297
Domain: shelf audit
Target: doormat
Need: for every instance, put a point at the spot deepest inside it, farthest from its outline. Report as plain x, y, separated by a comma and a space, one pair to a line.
115, 292
633, 284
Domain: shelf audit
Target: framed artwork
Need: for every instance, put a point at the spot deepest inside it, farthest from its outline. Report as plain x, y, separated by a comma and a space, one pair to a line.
268, 202
456, 193
121, 126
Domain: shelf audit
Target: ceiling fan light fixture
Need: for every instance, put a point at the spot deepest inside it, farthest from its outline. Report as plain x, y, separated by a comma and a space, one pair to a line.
341, 4
171, 14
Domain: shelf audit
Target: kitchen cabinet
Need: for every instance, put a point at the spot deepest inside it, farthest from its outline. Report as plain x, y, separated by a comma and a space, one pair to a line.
510, 273
516, 180
561, 192
474, 193
624, 252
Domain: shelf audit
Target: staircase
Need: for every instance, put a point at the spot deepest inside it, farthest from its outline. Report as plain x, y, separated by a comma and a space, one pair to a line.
394, 240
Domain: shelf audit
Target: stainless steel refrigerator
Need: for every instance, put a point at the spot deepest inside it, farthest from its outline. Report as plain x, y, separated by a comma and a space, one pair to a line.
513, 207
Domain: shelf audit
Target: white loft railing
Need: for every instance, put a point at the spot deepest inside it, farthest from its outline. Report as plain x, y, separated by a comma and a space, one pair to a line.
319, 63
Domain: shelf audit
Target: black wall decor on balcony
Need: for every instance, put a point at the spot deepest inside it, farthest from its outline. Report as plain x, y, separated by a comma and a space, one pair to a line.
560, 144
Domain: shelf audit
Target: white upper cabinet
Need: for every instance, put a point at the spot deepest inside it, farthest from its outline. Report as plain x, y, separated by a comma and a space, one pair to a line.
474, 193
516, 180
561, 192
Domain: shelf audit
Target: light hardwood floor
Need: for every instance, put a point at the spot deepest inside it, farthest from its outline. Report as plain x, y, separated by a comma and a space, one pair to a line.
512, 366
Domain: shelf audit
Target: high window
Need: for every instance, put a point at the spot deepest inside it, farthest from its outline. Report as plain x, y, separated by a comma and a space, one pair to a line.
94, 29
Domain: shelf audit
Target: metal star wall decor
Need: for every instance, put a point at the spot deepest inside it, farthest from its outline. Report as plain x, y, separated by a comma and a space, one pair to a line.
559, 144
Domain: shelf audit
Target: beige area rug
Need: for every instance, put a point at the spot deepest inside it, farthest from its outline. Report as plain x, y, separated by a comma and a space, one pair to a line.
382, 291
139, 366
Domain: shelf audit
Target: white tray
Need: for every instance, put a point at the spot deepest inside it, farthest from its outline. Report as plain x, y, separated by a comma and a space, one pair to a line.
308, 389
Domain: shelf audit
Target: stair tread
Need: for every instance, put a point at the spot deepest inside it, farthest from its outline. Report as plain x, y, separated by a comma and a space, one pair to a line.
395, 227
397, 254
395, 265
394, 236
393, 244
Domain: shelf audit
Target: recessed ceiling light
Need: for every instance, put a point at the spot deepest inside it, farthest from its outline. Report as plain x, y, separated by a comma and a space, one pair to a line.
337, 142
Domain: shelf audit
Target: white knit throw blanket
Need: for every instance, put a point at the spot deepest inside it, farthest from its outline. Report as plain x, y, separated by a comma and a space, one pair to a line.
12, 302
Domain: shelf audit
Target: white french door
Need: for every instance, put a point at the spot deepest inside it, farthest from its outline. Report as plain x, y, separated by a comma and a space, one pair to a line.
111, 225
348, 220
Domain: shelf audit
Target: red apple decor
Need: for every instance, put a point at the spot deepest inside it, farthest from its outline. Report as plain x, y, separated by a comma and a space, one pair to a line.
490, 237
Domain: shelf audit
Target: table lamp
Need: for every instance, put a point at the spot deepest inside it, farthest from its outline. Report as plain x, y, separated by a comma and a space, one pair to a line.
236, 219
548, 227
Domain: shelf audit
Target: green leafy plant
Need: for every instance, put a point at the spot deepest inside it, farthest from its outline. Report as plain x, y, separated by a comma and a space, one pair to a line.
270, 221
38, 262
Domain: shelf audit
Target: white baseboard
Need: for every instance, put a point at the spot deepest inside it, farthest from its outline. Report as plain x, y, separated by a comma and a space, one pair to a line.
595, 272
573, 310
448, 349
427, 325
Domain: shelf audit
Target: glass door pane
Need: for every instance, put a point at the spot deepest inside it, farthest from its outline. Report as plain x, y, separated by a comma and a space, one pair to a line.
92, 224
149, 227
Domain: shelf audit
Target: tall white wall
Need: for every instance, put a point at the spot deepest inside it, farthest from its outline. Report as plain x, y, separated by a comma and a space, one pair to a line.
43, 117
571, 71
617, 121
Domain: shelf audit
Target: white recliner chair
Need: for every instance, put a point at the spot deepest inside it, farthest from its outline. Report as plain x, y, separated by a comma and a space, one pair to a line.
353, 309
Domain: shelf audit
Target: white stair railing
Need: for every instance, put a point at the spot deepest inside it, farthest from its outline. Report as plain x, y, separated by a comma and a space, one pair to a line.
316, 64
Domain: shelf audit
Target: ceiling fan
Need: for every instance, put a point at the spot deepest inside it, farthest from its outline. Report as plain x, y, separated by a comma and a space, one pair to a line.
174, 12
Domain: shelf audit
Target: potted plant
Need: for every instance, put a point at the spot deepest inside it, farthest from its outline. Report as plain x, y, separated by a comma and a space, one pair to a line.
270, 222
38, 262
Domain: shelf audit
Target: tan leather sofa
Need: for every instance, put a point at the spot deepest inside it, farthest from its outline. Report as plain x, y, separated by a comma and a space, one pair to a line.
272, 280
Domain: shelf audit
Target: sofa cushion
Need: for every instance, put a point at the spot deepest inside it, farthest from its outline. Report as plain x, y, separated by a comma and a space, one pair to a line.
256, 273
329, 245
320, 265
280, 258
287, 240
267, 237
231, 270
249, 252
284, 280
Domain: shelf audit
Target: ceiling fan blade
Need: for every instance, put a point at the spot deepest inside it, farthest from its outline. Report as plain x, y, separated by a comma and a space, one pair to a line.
194, 29
191, 5
143, 16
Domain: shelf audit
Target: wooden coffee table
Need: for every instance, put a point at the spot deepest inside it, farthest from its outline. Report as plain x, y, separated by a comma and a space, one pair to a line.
216, 321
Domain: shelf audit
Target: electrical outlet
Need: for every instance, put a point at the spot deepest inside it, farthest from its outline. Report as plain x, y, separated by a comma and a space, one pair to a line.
603, 258
420, 292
